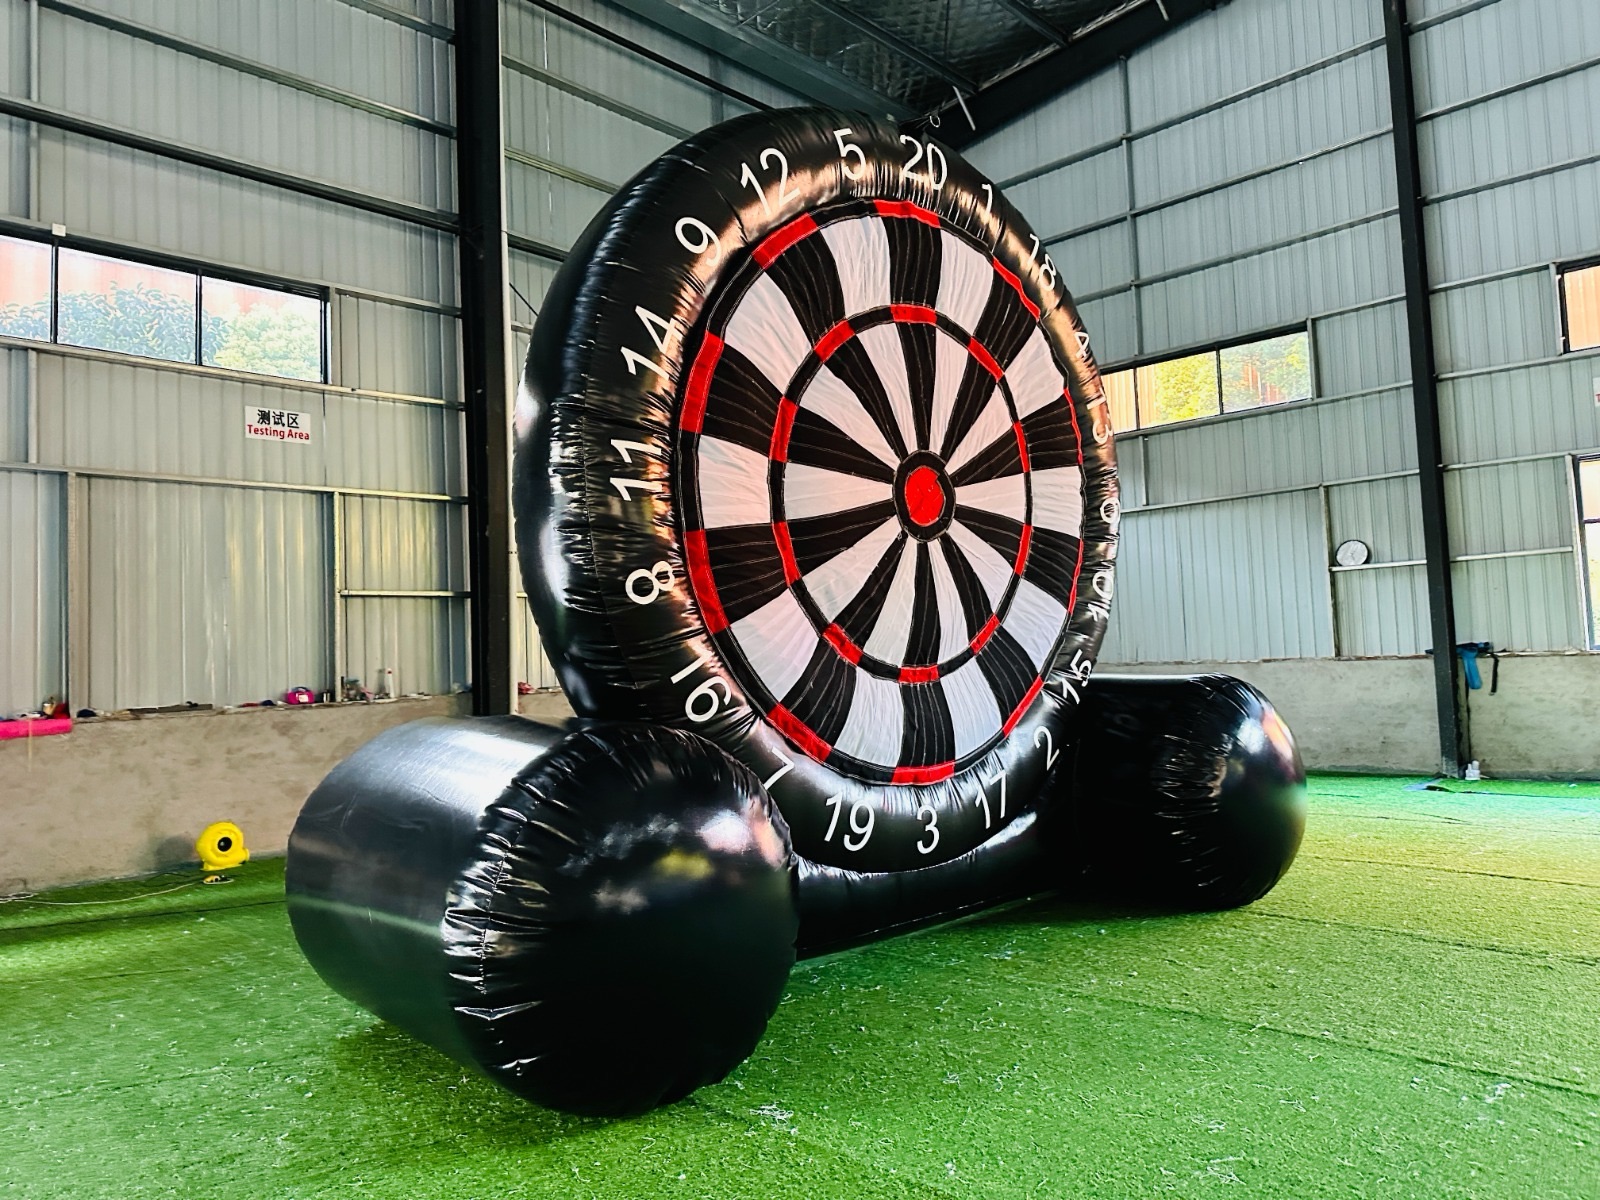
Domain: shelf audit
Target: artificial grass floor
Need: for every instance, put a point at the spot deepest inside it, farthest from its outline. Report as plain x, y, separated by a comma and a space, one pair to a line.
1414, 1012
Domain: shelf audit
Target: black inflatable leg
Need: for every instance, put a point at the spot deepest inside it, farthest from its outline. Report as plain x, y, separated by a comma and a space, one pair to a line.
601, 920
1187, 792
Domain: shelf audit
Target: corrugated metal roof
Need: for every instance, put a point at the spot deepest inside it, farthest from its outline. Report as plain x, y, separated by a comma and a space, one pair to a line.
912, 52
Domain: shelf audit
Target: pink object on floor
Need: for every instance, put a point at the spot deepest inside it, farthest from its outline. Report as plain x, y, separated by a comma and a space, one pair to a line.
34, 727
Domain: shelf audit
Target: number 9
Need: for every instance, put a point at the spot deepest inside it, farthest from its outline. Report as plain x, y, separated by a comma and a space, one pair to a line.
865, 831
707, 237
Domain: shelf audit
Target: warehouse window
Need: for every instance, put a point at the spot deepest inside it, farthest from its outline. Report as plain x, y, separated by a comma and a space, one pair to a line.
1589, 528
261, 330
1580, 307
105, 303
109, 304
1229, 379
24, 289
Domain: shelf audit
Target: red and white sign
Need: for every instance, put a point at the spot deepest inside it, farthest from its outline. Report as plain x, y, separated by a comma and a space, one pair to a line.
277, 424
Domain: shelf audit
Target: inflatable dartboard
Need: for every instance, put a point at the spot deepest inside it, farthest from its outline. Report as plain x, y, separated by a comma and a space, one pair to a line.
813, 459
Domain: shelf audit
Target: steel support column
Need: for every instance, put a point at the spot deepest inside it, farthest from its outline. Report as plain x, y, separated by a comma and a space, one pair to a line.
1453, 751
485, 342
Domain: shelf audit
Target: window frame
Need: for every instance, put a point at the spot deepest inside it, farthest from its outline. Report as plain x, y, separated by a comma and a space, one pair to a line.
1215, 349
304, 291
201, 272
1591, 633
1560, 271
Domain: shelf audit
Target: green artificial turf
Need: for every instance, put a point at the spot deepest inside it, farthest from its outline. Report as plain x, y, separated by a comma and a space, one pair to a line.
1414, 1012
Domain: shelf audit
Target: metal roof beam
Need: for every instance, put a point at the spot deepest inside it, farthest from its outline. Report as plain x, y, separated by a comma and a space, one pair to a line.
1034, 21
1046, 77
760, 55
896, 44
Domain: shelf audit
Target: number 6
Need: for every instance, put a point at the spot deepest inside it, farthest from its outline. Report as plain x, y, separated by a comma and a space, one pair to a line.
707, 691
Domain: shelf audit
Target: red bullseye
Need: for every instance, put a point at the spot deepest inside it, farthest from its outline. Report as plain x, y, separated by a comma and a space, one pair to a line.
924, 496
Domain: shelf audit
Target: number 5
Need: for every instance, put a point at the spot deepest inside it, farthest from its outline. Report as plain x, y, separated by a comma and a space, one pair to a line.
846, 149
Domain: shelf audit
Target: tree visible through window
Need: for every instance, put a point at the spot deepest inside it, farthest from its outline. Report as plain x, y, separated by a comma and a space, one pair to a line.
1274, 371
1237, 378
261, 330
1180, 389
105, 303
24, 289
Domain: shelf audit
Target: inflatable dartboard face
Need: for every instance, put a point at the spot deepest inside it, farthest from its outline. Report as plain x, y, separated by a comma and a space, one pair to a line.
813, 459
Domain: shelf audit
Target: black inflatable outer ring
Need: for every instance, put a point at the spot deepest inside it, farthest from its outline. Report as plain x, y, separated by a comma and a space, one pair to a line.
580, 537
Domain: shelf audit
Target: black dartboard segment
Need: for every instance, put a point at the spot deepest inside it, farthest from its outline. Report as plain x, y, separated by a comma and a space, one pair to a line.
812, 459
908, 418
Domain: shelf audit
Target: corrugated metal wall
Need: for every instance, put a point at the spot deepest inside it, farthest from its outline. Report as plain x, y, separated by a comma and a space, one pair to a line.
281, 568
1232, 178
1237, 176
1510, 146
583, 114
206, 567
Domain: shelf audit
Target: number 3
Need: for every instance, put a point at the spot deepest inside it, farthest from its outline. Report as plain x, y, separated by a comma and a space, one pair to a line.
933, 828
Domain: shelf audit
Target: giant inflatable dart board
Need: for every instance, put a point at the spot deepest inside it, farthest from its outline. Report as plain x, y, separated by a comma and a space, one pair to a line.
813, 460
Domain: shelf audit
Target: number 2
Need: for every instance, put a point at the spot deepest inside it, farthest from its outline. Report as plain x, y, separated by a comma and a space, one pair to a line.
785, 192
938, 166
1050, 751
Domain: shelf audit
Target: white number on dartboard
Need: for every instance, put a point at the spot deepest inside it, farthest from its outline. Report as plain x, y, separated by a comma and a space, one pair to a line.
930, 838
785, 193
862, 828
695, 236
623, 486
938, 166
1043, 737
983, 800
1048, 265
659, 329
846, 149
659, 578
626, 488
788, 765
703, 703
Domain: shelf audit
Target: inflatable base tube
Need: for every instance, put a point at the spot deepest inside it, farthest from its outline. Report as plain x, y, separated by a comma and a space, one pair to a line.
1176, 792
601, 920
1183, 792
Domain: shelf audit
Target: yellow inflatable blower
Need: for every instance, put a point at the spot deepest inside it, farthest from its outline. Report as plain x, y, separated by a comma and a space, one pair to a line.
221, 846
